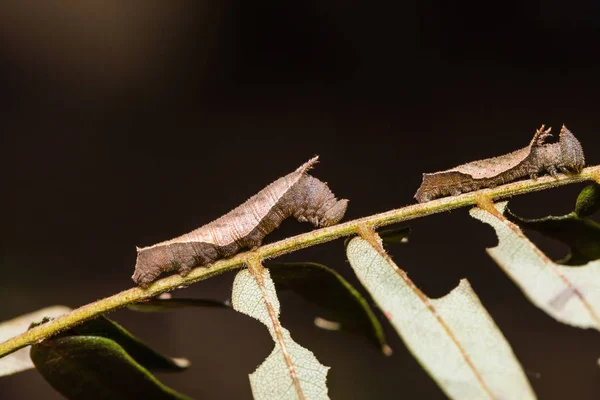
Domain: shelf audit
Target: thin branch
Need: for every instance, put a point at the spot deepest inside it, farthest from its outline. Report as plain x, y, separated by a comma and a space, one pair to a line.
289, 245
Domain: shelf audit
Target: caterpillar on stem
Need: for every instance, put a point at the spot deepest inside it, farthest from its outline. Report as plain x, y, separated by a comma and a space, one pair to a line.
297, 194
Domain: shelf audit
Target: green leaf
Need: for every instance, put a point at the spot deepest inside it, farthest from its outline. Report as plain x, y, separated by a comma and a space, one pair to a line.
588, 201
290, 371
570, 295
581, 234
19, 360
329, 290
93, 367
453, 337
138, 350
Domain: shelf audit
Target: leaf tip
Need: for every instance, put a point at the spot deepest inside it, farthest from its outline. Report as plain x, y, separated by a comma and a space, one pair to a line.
182, 362
327, 325
387, 350
588, 201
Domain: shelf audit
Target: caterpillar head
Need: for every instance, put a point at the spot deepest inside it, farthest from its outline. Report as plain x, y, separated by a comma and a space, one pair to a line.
334, 214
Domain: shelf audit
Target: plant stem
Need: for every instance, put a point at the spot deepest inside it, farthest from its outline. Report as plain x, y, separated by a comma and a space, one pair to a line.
308, 239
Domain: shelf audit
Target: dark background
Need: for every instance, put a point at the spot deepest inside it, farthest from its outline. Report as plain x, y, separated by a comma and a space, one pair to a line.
127, 123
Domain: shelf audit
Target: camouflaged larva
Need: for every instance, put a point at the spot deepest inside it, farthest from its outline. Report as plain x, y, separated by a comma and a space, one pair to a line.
565, 155
296, 194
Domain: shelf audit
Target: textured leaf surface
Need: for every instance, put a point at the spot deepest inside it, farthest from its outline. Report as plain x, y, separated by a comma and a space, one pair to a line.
329, 290
93, 367
569, 294
19, 360
453, 337
290, 371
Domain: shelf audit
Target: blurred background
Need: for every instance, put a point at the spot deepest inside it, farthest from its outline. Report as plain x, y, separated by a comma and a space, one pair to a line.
128, 123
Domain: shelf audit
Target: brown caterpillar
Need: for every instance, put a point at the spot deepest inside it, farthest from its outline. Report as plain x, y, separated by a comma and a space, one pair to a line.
566, 155
296, 194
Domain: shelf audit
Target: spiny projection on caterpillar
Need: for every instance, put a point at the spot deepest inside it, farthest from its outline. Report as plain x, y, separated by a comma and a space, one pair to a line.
297, 194
540, 156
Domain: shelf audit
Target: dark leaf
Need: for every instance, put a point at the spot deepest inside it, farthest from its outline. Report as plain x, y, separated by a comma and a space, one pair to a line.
581, 234
588, 201
93, 367
395, 235
329, 290
168, 303
138, 350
